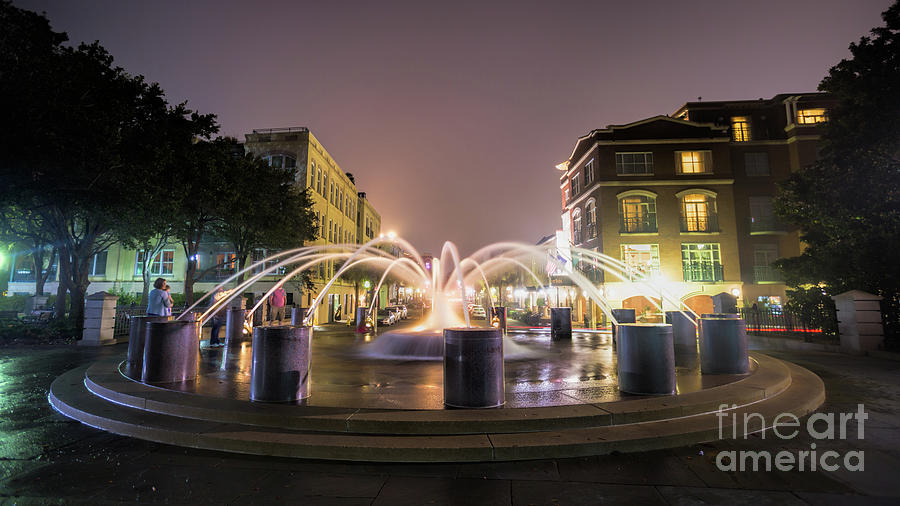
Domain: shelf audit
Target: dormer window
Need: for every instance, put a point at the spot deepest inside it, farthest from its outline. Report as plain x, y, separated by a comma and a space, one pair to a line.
740, 129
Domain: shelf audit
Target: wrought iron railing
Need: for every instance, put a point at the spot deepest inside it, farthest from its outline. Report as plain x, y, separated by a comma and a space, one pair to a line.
703, 272
760, 224
783, 322
766, 274
700, 223
637, 224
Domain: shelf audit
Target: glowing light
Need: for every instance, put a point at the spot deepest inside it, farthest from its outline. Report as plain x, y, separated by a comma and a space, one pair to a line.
562, 166
367, 284
392, 235
736, 292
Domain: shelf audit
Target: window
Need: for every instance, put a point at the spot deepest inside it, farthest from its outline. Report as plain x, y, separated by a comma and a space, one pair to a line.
98, 264
634, 163
590, 212
698, 213
637, 214
693, 162
763, 256
756, 164
642, 259
281, 161
576, 187
701, 262
163, 264
811, 116
762, 217
589, 172
226, 263
740, 129
576, 227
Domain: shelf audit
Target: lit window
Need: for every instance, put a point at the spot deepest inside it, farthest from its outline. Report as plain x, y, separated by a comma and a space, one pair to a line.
811, 116
756, 164
740, 129
642, 259
575, 186
634, 163
226, 263
698, 213
701, 262
163, 264
637, 214
693, 162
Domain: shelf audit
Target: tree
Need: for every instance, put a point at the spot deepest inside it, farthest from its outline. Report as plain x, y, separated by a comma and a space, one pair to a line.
79, 138
275, 214
847, 204
25, 230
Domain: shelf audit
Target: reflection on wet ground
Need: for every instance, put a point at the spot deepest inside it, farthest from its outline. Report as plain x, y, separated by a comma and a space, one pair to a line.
579, 371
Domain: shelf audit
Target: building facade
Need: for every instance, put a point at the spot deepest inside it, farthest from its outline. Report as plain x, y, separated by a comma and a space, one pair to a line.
686, 199
337, 206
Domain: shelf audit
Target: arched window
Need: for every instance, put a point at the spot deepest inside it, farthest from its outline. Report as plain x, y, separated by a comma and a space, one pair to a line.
637, 212
698, 211
590, 222
576, 227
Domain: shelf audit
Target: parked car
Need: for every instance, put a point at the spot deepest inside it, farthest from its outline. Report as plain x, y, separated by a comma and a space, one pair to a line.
386, 317
478, 313
397, 313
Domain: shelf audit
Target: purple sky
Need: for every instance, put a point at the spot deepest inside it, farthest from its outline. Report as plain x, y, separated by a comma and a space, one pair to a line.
451, 115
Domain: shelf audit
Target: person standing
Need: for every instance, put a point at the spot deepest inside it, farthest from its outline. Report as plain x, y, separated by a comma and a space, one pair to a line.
159, 300
276, 304
217, 320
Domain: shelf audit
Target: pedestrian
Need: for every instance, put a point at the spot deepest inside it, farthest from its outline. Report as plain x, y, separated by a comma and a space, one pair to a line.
217, 320
167, 310
276, 304
159, 300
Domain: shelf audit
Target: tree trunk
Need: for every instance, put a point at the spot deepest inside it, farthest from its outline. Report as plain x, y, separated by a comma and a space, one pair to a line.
80, 282
37, 260
242, 264
65, 267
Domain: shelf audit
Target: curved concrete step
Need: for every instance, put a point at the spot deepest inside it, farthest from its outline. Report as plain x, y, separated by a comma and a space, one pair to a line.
68, 394
769, 378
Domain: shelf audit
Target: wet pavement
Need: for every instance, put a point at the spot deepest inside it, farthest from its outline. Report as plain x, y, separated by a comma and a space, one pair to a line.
48, 459
343, 372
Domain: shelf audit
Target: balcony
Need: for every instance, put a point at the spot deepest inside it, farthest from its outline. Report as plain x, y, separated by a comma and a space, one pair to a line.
766, 274
700, 223
645, 224
703, 272
766, 224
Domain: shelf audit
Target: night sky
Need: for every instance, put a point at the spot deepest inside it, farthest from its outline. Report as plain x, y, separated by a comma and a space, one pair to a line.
451, 115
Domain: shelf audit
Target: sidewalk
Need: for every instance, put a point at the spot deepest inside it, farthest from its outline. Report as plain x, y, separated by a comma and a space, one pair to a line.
45, 458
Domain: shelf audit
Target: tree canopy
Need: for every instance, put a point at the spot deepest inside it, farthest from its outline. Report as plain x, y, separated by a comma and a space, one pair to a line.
847, 204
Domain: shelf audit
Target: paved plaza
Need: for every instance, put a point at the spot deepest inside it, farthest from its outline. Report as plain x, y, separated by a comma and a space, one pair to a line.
46, 458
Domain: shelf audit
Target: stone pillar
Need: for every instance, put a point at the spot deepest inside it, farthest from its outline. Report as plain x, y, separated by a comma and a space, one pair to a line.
645, 359
280, 367
684, 331
234, 327
622, 316
859, 321
473, 368
361, 319
560, 323
99, 319
724, 303
723, 346
499, 312
171, 351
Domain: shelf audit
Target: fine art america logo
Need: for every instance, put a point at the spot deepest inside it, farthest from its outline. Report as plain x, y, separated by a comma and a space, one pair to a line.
786, 426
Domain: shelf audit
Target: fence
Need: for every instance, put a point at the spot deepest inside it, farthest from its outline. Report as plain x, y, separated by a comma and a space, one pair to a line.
124, 314
786, 323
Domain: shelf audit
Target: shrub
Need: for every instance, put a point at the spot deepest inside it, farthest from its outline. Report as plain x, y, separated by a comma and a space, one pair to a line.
814, 308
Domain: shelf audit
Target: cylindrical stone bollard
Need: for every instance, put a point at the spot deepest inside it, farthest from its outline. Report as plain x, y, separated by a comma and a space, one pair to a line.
234, 327
473, 368
171, 351
280, 368
560, 323
646, 359
723, 346
499, 312
297, 315
137, 335
361, 319
684, 331
720, 315
622, 316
